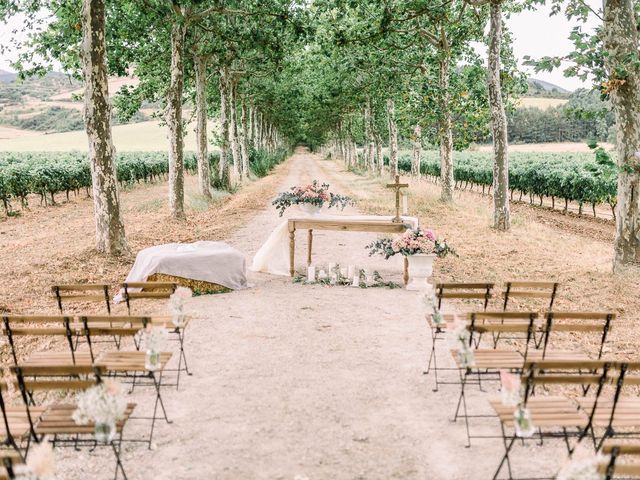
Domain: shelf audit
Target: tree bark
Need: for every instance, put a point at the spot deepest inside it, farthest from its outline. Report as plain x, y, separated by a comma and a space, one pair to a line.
446, 135
223, 166
417, 151
233, 128
204, 174
174, 119
244, 141
379, 153
393, 137
110, 236
501, 213
621, 44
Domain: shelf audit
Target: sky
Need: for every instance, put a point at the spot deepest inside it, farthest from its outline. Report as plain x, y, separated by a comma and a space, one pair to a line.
535, 33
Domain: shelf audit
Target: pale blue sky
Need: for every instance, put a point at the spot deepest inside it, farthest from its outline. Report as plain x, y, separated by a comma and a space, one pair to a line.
535, 34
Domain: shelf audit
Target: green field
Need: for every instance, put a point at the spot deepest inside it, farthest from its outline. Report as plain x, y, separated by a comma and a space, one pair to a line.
136, 137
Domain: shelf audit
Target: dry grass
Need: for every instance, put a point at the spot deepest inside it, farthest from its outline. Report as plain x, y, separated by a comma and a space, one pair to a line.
53, 245
148, 136
542, 245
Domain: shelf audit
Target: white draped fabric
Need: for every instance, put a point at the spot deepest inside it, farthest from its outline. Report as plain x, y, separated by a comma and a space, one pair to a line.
213, 262
273, 256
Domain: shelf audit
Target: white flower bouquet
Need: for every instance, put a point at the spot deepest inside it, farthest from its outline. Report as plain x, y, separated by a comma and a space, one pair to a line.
154, 340
177, 302
103, 405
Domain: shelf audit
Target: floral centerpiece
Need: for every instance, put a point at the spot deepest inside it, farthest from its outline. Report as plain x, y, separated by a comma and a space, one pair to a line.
103, 405
176, 305
314, 195
420, 247
154, 339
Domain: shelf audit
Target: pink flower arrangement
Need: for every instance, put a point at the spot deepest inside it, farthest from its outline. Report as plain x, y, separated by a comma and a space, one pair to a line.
313, 193
411, 242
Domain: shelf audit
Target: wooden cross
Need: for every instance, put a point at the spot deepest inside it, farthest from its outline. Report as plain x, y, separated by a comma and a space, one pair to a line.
397, 186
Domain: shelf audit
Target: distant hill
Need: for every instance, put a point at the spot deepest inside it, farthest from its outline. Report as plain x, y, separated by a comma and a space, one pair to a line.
540, 88
7, 77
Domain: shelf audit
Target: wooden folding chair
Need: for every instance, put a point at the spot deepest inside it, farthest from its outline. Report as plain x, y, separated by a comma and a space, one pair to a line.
127, 365
623, 461
489, 361
17, 430
57, 420
553, 416
146, 291
158, 291
473, 292
81, 293
532, 290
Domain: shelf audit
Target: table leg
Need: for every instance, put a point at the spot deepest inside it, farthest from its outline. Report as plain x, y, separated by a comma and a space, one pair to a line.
405, 275
292, 251
310, 242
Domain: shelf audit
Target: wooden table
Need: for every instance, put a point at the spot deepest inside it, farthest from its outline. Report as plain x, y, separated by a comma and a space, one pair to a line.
346, 225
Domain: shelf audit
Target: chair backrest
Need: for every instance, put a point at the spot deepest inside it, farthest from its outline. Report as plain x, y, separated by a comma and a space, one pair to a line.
596, 323
81, 293
464, 291
503, 322
629, 449
146, 290
38, 325
530, 289
112, 326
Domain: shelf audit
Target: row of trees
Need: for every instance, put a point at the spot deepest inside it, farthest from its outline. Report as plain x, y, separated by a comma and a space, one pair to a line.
409, 69
328, 72
222, 56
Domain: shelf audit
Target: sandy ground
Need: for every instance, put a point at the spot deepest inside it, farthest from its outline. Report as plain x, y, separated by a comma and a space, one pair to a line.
309, 382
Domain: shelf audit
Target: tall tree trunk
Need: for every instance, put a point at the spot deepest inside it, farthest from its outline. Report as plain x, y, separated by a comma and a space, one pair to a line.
621, 44
233, 129
370, 143
110, 237
365, 150
174, 120
223, 166
204, 180
501, 214
379, 153
446, 134
393, 137
417, 151
244, 141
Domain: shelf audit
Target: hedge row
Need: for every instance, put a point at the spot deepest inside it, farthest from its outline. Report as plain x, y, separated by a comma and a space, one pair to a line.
49, 173
578, 177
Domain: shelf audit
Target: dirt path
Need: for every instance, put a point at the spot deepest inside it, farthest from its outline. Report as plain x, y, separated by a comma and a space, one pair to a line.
309, 382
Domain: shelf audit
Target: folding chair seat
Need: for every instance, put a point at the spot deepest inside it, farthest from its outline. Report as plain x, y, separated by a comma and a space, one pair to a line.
81, 293
467, 292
